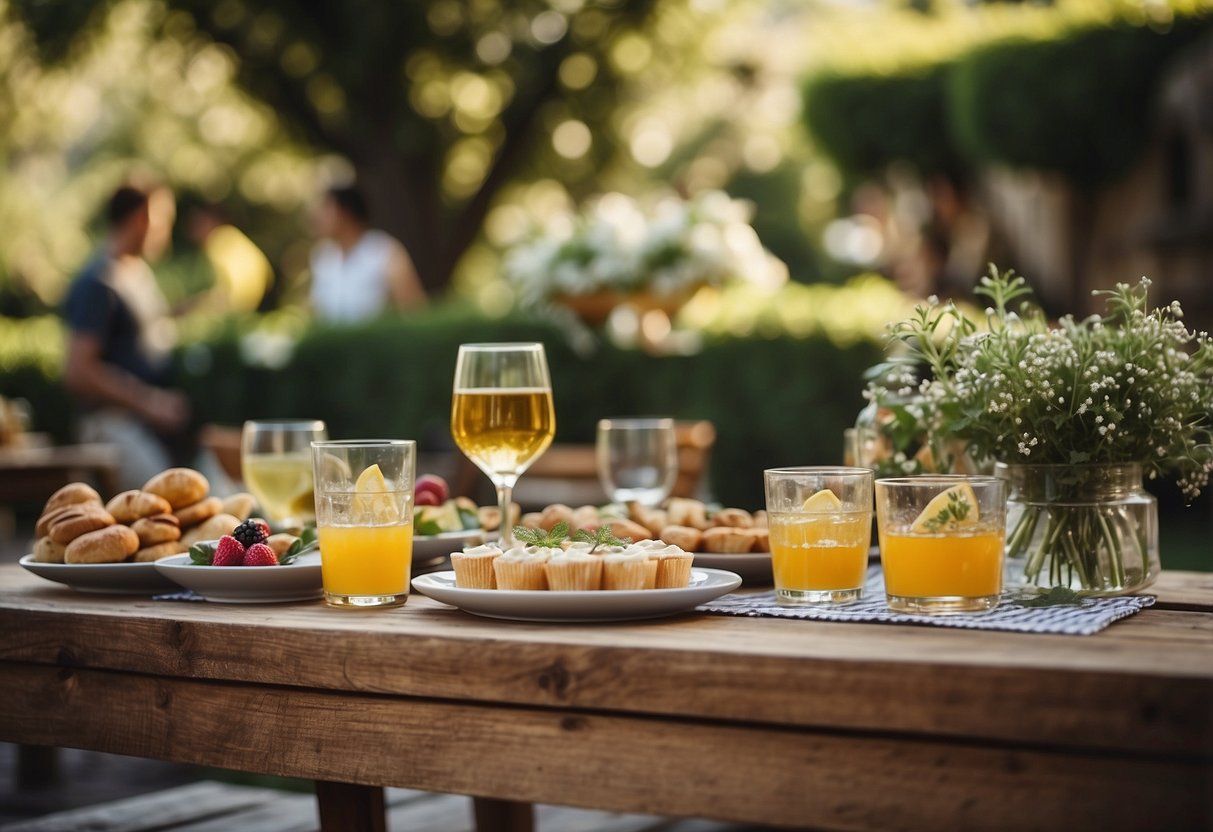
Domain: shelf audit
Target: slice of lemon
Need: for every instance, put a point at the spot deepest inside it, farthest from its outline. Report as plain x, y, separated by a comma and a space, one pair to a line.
948, 510
372, 501
823, 502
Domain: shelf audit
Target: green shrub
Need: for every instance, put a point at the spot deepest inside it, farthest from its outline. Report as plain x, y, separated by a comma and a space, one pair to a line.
1081, 105
866, 121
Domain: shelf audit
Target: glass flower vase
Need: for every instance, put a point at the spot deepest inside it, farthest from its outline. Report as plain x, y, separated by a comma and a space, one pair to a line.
1091, 528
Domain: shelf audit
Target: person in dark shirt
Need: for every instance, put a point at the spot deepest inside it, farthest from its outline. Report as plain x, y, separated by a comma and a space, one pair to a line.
120, 334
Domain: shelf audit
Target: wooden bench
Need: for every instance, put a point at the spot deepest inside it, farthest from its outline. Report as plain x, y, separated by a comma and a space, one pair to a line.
209, 806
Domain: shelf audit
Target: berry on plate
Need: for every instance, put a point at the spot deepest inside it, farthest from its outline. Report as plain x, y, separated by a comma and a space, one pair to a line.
230, 552
260, 555
250, 532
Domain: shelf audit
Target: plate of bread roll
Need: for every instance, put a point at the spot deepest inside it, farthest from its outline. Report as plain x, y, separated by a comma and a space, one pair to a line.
111, 546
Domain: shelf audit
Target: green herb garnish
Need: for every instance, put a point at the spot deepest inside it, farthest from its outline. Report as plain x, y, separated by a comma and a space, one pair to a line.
202, 554
602, 536
539, 537
952, 514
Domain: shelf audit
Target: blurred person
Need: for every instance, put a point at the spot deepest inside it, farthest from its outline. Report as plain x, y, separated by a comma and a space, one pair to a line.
358, 272
242, 273
120, 335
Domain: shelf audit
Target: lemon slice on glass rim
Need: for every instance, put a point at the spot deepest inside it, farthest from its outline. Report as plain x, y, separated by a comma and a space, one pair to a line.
373, 503
824, 501
952, 510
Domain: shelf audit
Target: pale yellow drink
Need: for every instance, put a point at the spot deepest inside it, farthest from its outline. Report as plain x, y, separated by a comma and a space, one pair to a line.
282, 484
364, 561
503, 430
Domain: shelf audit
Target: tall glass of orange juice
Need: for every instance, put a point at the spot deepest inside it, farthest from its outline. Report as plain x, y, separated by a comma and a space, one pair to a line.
364, 520
821, 526
942, 542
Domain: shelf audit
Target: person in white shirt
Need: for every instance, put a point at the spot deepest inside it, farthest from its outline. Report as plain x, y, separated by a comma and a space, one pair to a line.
358, 272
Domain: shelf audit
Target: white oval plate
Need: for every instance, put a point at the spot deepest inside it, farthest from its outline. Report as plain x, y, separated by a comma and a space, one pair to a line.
597, 605
106, 578
753, 567
299, 580
432, 548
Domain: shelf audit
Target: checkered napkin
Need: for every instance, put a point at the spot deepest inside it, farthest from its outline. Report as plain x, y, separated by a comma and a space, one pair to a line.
180, 595
1091, 616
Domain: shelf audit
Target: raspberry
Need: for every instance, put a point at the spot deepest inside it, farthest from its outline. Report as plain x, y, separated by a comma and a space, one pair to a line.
260, 555
229, 552
250, 532
265, 527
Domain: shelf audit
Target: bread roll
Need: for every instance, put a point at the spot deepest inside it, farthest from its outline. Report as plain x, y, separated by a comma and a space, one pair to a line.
280, 542
724, 540
129, 506
212, 529
112, 544
180, 486
736, 518
159, 528
240, 504
192, 515
48, 551
684, 537
71, 494
79, 520
160, 550
43, 527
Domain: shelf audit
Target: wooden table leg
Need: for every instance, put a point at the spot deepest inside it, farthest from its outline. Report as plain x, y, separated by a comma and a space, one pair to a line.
502, 815
345, 807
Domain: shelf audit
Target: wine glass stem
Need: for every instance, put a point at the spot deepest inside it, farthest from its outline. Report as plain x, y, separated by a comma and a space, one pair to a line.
505, 494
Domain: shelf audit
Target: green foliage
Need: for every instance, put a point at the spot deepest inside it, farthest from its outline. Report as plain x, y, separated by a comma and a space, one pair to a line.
865, 121
1081, 105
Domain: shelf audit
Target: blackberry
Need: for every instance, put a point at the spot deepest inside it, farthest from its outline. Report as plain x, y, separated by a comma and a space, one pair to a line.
249, 533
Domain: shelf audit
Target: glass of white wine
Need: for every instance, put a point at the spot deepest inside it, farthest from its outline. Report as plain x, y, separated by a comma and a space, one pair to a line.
276, 464
502, 415
637, 459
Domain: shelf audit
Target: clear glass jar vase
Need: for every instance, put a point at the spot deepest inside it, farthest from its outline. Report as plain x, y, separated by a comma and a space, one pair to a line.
1092, 528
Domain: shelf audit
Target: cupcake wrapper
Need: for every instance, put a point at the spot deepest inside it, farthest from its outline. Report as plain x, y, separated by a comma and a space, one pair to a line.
574, 576
473, 572
674, 572
630, 574
519, 575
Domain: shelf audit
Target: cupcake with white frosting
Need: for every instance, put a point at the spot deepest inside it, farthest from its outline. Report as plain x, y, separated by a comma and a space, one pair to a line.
523, 567
673, 564
574, 569
629, 569
474, 566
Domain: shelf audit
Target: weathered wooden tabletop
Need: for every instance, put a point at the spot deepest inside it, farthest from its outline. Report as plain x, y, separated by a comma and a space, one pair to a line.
781, 722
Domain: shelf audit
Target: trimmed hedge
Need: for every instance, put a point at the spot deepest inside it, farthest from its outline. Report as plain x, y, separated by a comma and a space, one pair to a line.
778, 400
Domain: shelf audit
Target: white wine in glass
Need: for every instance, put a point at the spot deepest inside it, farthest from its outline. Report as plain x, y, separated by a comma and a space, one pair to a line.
276, 465
502, 416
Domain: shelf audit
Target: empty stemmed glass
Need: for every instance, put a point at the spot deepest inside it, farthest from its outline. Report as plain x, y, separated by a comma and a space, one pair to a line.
502, 415
637, 459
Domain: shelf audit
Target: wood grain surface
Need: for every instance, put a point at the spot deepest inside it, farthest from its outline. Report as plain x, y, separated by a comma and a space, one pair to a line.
783, 777
784, 722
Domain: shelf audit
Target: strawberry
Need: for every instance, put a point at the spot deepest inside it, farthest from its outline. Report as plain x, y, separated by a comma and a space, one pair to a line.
260, 555
229, 552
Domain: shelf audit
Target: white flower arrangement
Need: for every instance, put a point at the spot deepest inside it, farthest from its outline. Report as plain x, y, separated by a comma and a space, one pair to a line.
669, 248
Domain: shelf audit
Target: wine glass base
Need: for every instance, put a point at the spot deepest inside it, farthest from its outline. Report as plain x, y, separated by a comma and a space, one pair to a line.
366, 601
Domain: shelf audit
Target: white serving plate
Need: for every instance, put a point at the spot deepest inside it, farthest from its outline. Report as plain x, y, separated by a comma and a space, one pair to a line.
753, 567
597, 605
107, 578
432, 548
299, 580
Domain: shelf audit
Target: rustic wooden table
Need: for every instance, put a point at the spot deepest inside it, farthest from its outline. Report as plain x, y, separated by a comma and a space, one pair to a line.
787, 723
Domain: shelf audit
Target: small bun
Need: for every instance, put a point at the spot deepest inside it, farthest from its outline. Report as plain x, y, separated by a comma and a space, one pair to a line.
129, 506
79, 520
723, 540
160, 550
684, 537
71, 494
180, 486
737, 518
112, 544
43, 527
240, 504
212, 529
159, 528
204, 509
48, 551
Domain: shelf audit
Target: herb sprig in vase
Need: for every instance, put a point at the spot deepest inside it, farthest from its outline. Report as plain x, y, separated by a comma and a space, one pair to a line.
1076, 413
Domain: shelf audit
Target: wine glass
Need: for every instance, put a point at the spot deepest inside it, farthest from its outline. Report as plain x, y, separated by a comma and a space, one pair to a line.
637, 459
276, 465
502, 416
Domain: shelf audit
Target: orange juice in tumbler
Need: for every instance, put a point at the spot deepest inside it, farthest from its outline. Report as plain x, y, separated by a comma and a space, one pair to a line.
366, 560
815, 552
955, 565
